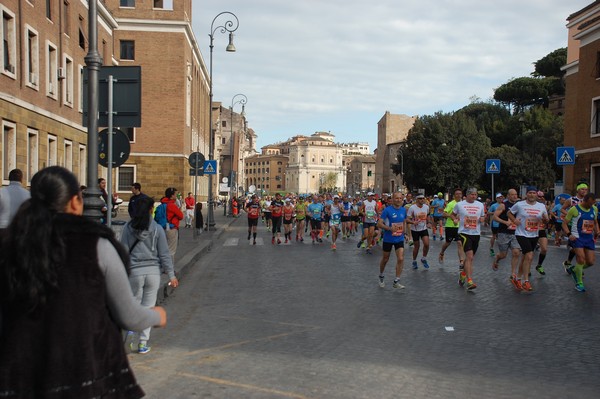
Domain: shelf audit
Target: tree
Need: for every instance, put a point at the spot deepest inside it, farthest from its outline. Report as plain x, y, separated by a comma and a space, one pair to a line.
551, 64
520, 93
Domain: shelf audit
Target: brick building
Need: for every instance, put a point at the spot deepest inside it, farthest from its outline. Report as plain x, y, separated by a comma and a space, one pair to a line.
582, 97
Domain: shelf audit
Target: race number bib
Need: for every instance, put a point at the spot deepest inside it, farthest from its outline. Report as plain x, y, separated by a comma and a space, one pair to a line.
370, 214
421, 217
471, 222
399, 227
587, 227
317, 213
532, 224
253, 212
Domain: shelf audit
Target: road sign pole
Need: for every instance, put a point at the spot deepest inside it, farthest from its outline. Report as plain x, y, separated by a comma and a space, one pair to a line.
492, 186
110, 152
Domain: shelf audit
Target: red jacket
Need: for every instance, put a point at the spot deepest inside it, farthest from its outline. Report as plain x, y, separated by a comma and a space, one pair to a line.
174, 214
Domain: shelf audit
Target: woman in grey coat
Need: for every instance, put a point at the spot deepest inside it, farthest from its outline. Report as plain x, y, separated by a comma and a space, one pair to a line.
147, 245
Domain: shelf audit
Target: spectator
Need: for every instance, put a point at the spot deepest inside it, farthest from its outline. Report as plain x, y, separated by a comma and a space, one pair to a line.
136, 189
64, 297
199, 218
174, 215
12, 197
149, 252
189, 210
102, 187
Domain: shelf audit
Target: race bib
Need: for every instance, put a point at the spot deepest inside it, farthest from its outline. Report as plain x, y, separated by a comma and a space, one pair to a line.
317, 212
587, 227
370, 214
532, 224
400, 227
253, 212
421, 217
470, 222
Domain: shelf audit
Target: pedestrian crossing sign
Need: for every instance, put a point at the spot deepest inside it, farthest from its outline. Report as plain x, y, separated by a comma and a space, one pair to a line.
565, 155
210, 167
492, 166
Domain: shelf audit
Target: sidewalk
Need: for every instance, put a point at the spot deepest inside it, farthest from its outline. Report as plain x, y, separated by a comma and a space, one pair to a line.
190, 248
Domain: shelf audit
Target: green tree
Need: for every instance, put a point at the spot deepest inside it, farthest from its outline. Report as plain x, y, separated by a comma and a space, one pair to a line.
551, 64
521, 93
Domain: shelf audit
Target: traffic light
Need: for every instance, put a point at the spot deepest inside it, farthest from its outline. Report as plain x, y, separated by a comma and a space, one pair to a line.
369, 173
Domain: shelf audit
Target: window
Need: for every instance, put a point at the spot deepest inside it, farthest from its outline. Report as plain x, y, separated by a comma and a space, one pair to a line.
163, 4
9, 148
81, 39
51, 70
82, 164
223, 140
125, 178
32, 153
595, 125
31, 57
68, 155
66, 18
127, 50
49, 9
223, 123
67, 76
52, 150
9, 43
129, 132
80, 86
127, 3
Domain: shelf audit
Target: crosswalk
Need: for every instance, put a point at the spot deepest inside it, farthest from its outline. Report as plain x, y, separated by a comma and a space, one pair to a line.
236, 241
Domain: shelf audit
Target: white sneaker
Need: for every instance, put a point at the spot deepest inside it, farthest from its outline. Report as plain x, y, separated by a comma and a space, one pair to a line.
398, 285
381, 282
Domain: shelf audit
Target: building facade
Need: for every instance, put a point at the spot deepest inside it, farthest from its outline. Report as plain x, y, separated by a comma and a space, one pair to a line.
582, 97
360, 174
392, 130
265, 173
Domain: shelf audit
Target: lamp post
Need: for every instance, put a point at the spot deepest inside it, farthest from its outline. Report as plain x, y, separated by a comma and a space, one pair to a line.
401, 168
232, 180
229, 26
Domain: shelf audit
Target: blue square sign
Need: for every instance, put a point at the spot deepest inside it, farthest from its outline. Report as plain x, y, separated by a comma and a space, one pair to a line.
210, 167
492, 166
565, 155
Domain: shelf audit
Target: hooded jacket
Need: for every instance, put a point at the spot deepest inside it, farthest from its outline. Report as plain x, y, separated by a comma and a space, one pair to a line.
174, 214
150, 254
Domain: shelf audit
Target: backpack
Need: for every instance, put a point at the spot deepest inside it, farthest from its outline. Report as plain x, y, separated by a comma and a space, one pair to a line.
160, 215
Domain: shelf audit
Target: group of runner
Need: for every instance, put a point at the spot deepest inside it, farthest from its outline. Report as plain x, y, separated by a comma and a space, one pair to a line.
519, 226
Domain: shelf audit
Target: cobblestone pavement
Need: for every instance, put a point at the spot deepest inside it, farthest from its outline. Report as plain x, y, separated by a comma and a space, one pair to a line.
302, 321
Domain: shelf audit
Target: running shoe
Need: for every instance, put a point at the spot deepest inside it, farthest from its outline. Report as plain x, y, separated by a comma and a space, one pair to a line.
364, 244
301, 239
461, 279
249, 235
526, 286
495, 266
320, 240
328, 234
572, 273
414, 265
471, 285
425, 264
580, 287
397, 284
278, 241
492, 253
286, 240
253, 242
441, 258
516, 282
434, 238
381, 282
333, 247
143, 348
358, 244
273, 240
411, 243
369, 251
540, 270
567, 265
441, 238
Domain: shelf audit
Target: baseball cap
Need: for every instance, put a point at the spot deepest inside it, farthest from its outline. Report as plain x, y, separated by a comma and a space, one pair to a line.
440, 194
499, 195
370, 193
532, 188
420, 196
288, 200
336, 197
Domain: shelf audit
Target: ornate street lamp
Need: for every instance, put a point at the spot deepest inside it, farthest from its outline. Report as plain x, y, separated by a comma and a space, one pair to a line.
229, 26
232, 179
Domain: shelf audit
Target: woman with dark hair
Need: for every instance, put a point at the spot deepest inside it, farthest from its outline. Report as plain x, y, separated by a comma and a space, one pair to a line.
149, 252
63, 298
199, 218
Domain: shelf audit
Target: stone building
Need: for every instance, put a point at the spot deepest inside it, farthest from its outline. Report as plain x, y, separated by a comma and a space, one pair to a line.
582, 97
392, 131
360, 174
265, 173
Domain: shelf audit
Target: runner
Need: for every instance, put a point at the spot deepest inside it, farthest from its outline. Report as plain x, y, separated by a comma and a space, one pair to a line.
437, 207
267, 212
543, 237
369, 209
506, 237
494, 224
346, 218
335, 220
527, 215
300, 210
582, 190
469, 214
452, 230
253, 211
288, 219
315, 210
355, 216
408, 202
419, 219
583, 219
276, 209
393, 223
558, 218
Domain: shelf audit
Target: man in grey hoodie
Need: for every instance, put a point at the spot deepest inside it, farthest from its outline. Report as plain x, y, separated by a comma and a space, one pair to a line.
149, 252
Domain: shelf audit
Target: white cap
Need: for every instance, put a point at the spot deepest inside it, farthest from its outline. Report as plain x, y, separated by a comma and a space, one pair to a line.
336, 196
370, 193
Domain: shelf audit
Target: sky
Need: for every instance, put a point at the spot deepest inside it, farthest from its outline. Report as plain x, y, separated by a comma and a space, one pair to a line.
338, 65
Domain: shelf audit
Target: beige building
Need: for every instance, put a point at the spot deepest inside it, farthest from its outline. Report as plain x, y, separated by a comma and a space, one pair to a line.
265, 173
41, 102
582, 97
392, 131
360, 174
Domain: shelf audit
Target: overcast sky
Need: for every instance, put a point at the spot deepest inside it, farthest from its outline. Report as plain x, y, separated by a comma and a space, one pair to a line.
338, 65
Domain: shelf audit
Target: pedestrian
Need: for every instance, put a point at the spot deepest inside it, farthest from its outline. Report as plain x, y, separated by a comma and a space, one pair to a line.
419, 219
104, 196
149, 254
528, 215
64, 297
172, 217
11, 197
393, 224
136, 189
469, 214
190, 202
583, 219
199, 218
